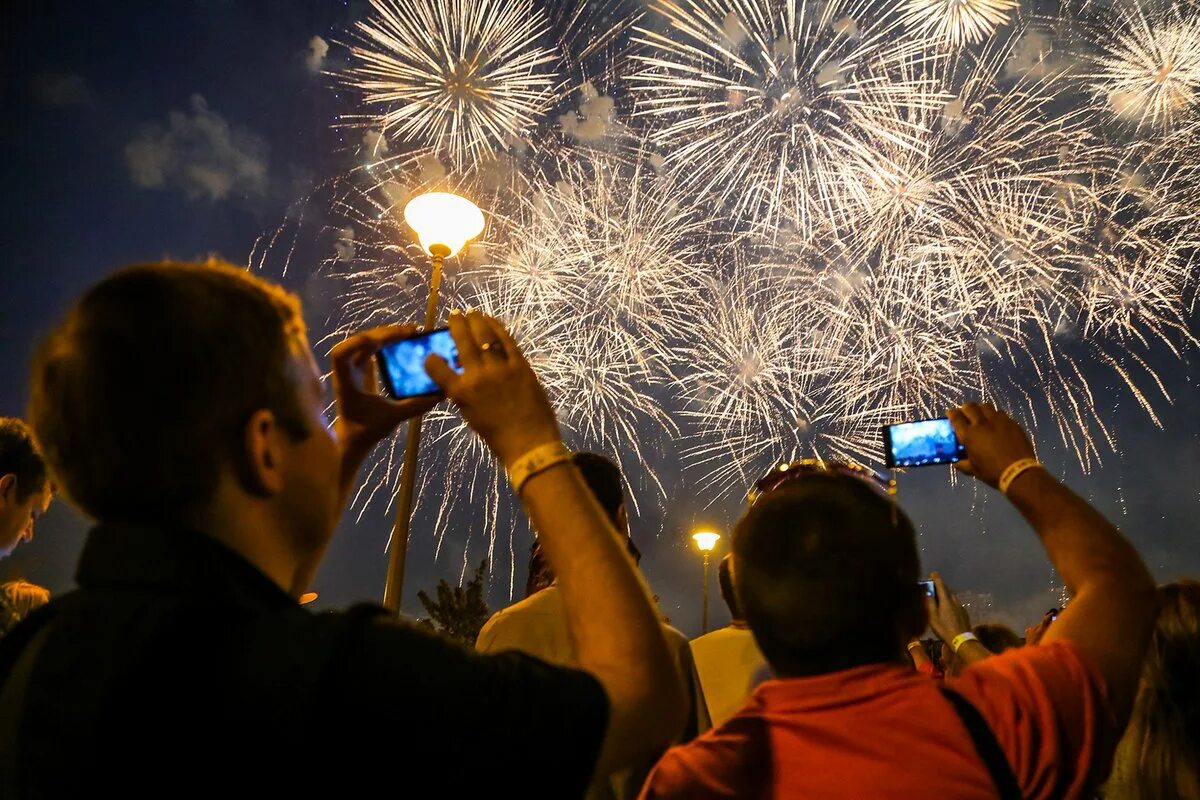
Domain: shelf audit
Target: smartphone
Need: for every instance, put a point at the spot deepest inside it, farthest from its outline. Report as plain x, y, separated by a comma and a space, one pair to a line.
930, 588
402, 363
921, 443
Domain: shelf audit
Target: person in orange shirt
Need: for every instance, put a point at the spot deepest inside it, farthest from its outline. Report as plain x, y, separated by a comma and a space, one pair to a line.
826, 570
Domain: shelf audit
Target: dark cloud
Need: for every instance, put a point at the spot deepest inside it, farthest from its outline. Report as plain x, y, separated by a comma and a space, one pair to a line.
62, 90
314, 55
201, 153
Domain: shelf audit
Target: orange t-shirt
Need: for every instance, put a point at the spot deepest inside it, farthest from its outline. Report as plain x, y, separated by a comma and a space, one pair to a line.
885, 731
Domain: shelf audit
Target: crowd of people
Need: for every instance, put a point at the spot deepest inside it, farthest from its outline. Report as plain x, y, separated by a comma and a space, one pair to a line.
180, 407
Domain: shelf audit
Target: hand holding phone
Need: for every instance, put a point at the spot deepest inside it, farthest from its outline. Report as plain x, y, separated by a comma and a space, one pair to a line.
364, 416
930, 589
947, 617
402, 363
495, 389
992, 439
921, 444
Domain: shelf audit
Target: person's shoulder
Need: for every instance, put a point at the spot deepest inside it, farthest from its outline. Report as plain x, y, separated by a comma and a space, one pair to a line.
1060, 660
545, 603
719, 637
724, 762
674, 635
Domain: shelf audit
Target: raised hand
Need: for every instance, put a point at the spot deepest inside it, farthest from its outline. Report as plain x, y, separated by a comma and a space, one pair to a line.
992, 439
364, 416
947, 617
497, 392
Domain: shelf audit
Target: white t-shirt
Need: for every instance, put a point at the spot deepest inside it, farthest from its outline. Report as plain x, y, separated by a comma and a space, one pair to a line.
730, 665
538, 626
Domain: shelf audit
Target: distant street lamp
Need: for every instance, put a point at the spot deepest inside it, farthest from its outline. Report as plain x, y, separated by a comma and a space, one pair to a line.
705, 542
444, 223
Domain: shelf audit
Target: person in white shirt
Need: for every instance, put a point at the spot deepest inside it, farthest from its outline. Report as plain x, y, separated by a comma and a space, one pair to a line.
728, 660
537, 625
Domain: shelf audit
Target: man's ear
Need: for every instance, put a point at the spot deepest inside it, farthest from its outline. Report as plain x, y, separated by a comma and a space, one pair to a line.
8, 487
261, 467
622, 520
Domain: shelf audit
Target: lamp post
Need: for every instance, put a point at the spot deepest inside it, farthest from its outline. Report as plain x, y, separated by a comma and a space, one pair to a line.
444, 223
705, 541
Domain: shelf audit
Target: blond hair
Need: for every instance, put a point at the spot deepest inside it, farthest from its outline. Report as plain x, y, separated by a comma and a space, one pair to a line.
1159, 755
18, 599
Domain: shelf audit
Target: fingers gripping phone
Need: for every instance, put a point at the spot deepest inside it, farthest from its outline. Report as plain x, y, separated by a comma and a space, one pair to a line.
402, 363
921, 443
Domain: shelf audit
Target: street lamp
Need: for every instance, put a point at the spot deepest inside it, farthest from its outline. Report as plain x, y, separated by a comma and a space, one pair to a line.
705, 541
444, 223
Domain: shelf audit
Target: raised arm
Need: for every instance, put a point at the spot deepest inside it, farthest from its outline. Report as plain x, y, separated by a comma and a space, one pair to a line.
1111, 614
617, 634
948, 618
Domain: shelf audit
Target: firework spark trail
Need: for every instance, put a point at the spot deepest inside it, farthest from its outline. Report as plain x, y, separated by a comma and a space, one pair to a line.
462, 77
959, 143
819, 219
1148, 70
591, 271
751, 100
957, 22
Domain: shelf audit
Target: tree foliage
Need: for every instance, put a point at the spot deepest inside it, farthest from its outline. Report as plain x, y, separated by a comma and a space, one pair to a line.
459, 611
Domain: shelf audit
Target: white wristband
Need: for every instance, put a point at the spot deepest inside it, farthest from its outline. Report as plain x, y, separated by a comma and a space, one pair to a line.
962, 639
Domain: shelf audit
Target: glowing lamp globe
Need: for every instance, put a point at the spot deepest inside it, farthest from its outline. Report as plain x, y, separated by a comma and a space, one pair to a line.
706, 540
308, 597
443, 222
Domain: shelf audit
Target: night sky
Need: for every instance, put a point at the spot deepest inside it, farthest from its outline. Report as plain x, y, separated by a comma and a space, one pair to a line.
88, 87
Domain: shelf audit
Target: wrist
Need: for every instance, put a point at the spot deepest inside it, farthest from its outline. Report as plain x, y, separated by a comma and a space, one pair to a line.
538, 460
961, 639
1014, 471
510, 452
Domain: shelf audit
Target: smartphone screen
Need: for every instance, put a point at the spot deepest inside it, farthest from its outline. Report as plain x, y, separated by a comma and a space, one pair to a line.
919, 444
402, 364
930, 588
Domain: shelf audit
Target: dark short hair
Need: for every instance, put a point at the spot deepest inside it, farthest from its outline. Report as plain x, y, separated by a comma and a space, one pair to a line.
725, 581
142, 394
996, 637
603, 477
19, 455
827, 570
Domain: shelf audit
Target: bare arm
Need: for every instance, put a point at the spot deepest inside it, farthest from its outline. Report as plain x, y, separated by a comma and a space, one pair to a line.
501, 399
948, 618
920, 659
1112, 614
631, 658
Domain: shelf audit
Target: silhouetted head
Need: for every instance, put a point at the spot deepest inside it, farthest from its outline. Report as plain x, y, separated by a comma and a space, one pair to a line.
826, 574
25, 490
169, 380
604, 479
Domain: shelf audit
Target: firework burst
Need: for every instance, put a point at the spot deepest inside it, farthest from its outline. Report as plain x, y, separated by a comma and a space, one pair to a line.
818, 218
1148, 70
957, 22
752, 100
464, 78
